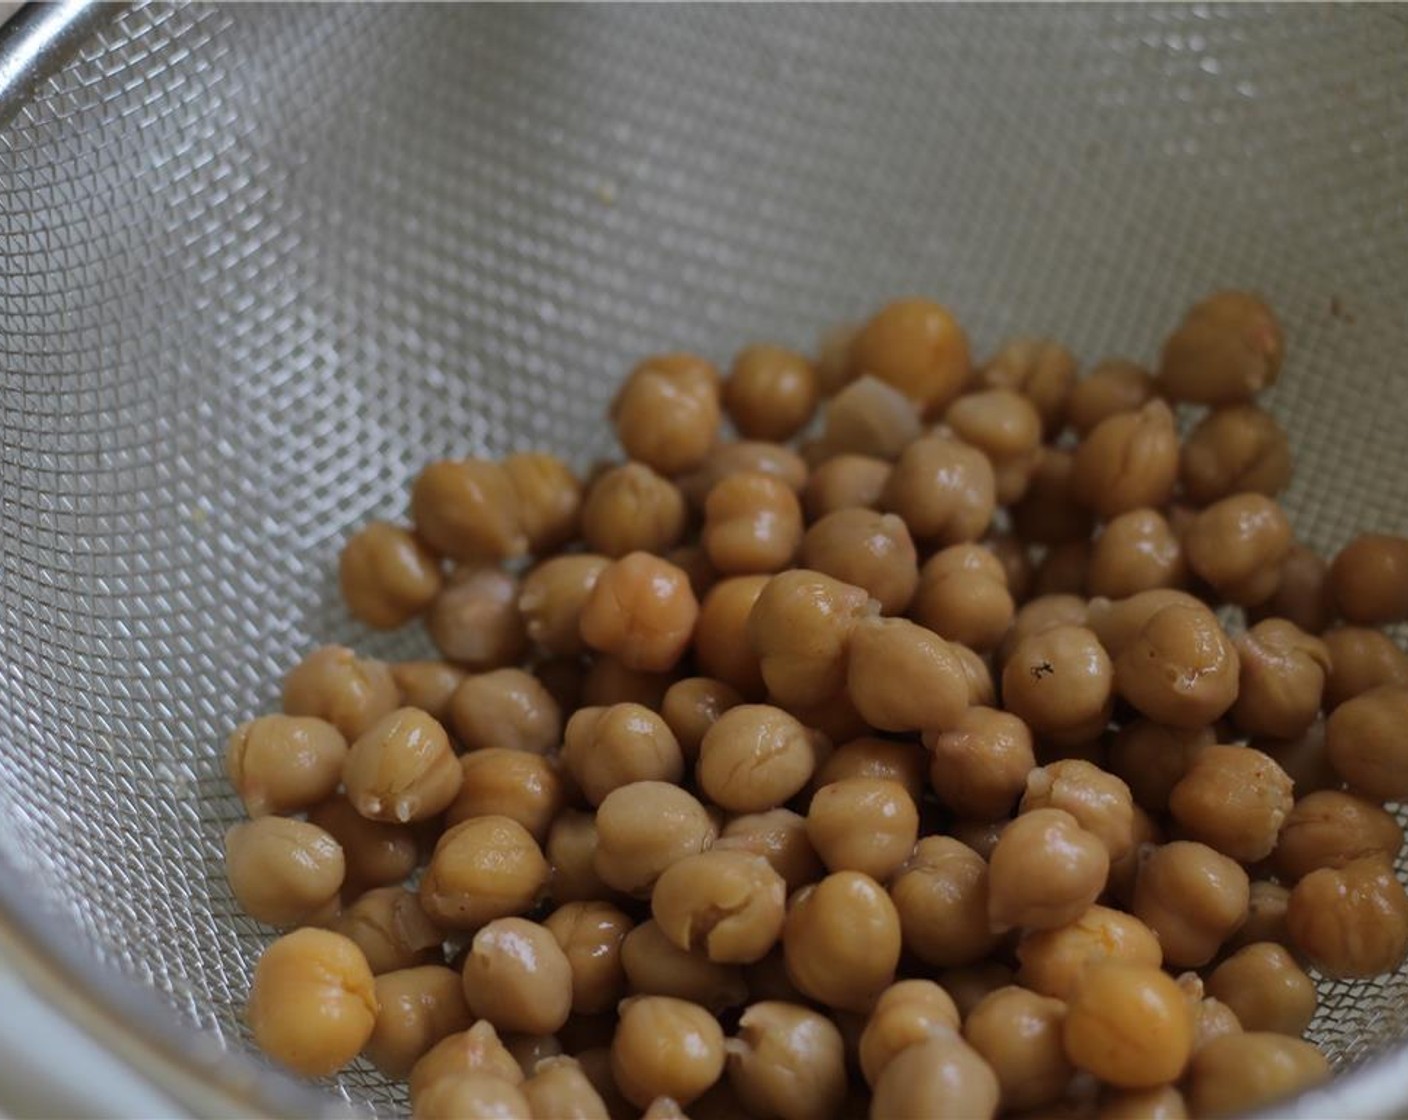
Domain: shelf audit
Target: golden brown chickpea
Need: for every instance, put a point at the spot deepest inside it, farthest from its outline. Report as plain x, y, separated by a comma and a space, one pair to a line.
1045, 612
474, 621
1367, 742
869, 757
1006, 427
477, 1050
666, 1047
780, 837
1019, 1034
1282, 678
771, 392
467, 509
1329, 828
1060, 682
946, 491
606, 748
968, 987
1100, 802
863, 824
907, 1012
518, 978
591, 934
282, 871
744, 456
1235, 450
630, 508
1050, 512
1052, 960
841, 940
402, 769
844, 482
692, 706
1128, 461
655, 965
1136, 551
941, 896
1152, 759
667, 412
1350, 921
392, 931
312, 1003
752, 524
1129, 1025
1266, 916
1369, 579
918, 347
470, 1096
549, 499
1243, 1073
721, 645
869, 550
1161, 1103
571, 850
1045, 871
1303, 593
558, 1088
551, 599
1265, 989
428, 685
1040, 369
1233, 799
482, 869
1227, 349
942, 1076
1181, 669
1112, 387
867, 417
1193, 898
642, 612
418, 1007
332, 683
728, 904
281, 764
1361, 659
962, 596
376, 853
608, 682
787, 1062
642, 829
1237, 545
755, 757
387, 575
903, 677
800, 629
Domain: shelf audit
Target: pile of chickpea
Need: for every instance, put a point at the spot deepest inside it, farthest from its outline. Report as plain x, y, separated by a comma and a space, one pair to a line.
909, 769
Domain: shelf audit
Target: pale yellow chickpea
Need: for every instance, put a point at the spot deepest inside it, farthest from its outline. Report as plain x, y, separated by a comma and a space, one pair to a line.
631, 508
942, 1076
666, 1047
1351, 921
282, 764
962, 596
729, 904
863, 824
482, 869
1265, 989
467, 509
332, 683
1136, 551
787, 1061
1129, 1025
1181, 669
869, 550
283, 872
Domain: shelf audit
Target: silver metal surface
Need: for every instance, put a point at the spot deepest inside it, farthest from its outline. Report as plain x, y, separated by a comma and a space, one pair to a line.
262, 262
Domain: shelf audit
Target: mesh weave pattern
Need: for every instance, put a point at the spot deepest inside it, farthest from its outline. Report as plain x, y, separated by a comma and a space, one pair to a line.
263, 262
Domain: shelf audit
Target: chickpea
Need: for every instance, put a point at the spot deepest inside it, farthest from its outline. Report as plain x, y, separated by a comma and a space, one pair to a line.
1137, 551
1304, 759
312, 1003
281, 764
867, 417
841, 940
1045, 871
778, 836
418, 1007
606, 748
907, 1012
427, 685
1036, 616
1060, 682
1303, 594
642, 612
870, 550
1329, 828
787, 1062
1234, 799
387, 575
1369, 579
1161, 1103
863, 824
1006, 427
729, 904
981, 836
558, 1088
800, 627
692, 706
844, 482
332, 683
571, 852
1125, 871
666, 1047
946, 491
392, 931
903, 677
551, 599
1193, 898
1266, 915
471, 1096
753, 524
1238, 546
1181, 669
590, 934
1019, 1034
977, 674
1235, 450
1242, 1073
522, 786
402, 769
595, 1064
1212, 1019
1227, 349
1099, 801
517, 977
642, 829
475, 1051
282, 871
1053, 960
629, 509
667, 412
1112, 387
1118, 623
376, 853
1283, 671
1153, 759
962, 596
722, 648
608, 682
1129, 1025
474, 621
1350, 921
771, 392
549, 499
1128, 461
655, 965
467, 509
1265, 989
483, 868
1040, 369
942, 1076
918, 347
1361, 659
755, 757
1050, 512
941, 897
1367, 742
744, 456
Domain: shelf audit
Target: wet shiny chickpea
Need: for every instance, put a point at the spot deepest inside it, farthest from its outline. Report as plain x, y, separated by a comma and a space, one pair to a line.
866, 549
571, 852
1045, 612
1233, 799
470, 1096
549, 499
903, 677
551, 598
771, 392
418, 1007
1045, 871
1060, 682
1129, 1025
1019, 1034
907, 1012
1360, 659
1235, 450
1113, 386
917, 346
1128, 461
1227, 349
1152, 759
376, 853
1330, 828
1137, 551
1212, 1019
863, 824
1181, 669
942, 1076
1366, 739
1282, 678
558, 1088
945, 490
1161, 1103
655, 965
387, 575
755, 757
666, 1047
642, 829
402, 769
1237, 545
752, 524
590, 934
722, 649
391, 929
870, 757
667, 413
844, 482
522, 786
467, 509
518, 978
312, 1003
282, 764
1050, 512
1041, 369
800, 629
1006, 427
642, 612
334, 684
1099, 801
1265, 989
780, 837
787, 1061
1303, 594
1052, 960
867, 417
606, 748
728, 904
941, 897
475, 620
482, 869
477, 1050
1350, 921
692, 706
1243, 1073
744, 456
1304, 758
962, 596
629, 509
1193, 898
282, 871
841, 940
1369, 580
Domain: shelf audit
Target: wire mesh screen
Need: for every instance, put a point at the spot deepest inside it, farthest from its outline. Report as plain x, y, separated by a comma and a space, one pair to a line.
263, 262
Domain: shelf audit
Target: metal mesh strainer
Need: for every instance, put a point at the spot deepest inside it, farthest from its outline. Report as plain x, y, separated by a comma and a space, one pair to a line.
261, 262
